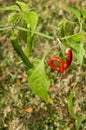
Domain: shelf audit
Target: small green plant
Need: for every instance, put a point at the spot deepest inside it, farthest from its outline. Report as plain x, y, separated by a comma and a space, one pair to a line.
22, 23
78, 119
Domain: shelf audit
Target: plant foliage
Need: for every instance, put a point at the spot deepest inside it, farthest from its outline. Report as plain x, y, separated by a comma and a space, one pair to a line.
39, 81
22, 23
78, 119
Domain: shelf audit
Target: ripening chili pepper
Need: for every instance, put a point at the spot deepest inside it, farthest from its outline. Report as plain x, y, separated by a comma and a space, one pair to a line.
68, 58
54, 67
63, 65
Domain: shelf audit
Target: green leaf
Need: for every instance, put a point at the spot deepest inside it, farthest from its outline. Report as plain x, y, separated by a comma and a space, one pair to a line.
23, 35
75, 12
79, 121
31, 19
39, 81
10, 8
29, 44
23, 6
36, 60
79, 53
83, 12
77, 47
27, 38
77, 38
13, 17
70, 106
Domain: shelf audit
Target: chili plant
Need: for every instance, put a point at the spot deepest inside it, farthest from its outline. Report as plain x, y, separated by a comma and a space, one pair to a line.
22, 23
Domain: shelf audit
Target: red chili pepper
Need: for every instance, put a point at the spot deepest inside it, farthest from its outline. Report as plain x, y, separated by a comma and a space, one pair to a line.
57, 68
63, 65
68, 58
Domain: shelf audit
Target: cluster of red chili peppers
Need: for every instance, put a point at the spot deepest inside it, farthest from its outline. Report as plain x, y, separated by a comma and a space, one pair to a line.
62, 65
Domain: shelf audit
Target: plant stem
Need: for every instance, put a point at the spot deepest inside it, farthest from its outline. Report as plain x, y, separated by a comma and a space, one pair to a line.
44, 35
67, 37
5, 28
37, 33
47, 36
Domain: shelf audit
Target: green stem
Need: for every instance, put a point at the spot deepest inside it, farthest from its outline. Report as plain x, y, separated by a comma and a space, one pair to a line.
67, 37
37, 33
20, 52
5, 28
44, 35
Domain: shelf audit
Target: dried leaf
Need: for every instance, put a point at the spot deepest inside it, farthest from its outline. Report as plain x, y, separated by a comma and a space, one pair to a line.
29, 110
21, 78
52, 88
